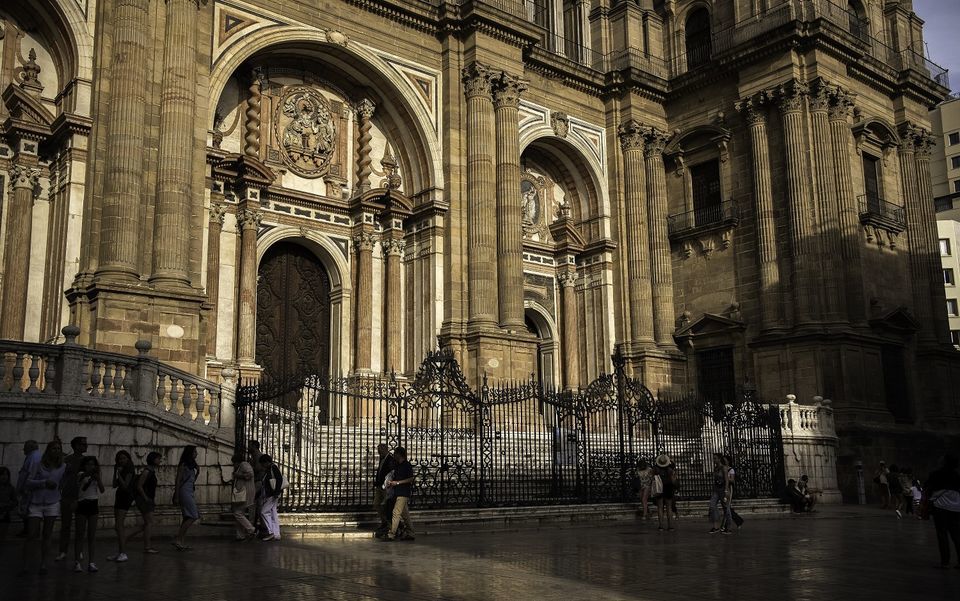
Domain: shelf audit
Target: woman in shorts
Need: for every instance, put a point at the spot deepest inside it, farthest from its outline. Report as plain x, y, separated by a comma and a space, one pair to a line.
90, 487
43, 509
124, 481
146, 493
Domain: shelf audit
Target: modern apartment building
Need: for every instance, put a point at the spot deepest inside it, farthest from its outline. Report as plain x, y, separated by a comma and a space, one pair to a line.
945, 162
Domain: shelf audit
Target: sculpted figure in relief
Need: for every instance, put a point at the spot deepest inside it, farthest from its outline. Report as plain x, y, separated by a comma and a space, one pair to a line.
308, 131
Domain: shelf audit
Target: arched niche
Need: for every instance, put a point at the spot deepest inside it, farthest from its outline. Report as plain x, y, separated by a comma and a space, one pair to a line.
542, 325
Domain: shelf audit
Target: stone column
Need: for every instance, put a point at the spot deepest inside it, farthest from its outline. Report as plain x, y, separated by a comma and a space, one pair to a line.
481, 199
363, 244
393, 322
248, 221
583, 25
213, 273
791, 98
928, 225
829, 234
637, 253
753, 110
251, 126
571, 333
660, 259
125, 125
24, 185
364, 114
911, 200
178, 107
848, 214
506, 101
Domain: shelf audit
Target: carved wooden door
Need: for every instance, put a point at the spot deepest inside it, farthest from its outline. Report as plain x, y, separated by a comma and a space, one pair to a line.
293, 312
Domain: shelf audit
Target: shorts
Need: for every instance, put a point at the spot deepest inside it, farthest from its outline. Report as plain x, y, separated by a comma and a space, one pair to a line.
123, 501
88, 507
49, 510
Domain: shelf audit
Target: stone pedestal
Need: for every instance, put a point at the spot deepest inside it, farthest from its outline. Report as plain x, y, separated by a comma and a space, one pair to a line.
810, 446
500, 355
657, 368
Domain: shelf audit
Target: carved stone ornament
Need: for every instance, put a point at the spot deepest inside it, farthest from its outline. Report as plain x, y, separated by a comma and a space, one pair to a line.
217, 211
560, 124
631, 134
249, 219
753, 109
656, 141
567, 278
393, 247
364, 241
30, 72
531, 204
507, 90
307, 131
24, 178
476, 80
790, 96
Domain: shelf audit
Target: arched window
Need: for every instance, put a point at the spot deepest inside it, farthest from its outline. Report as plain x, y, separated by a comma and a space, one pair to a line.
857, 19
698, 38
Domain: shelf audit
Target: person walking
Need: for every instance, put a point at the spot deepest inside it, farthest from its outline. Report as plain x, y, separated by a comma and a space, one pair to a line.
664, 479
402, 486
254, 452
384, 467
270, 491
31, 459
942, 491
145, 498
719, 497
242, 497
183, 494
894, 490
89, 489
880, 479
43, 484
124, 483
645, 480
68, 496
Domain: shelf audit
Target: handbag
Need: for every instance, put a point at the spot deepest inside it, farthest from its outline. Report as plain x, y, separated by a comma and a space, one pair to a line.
239, 495
656, 487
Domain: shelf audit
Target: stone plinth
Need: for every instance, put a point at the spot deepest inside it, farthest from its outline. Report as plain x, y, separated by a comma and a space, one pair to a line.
810, 446
500, 355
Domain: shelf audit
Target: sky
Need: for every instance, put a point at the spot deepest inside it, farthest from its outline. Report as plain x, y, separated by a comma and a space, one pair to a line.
941, 32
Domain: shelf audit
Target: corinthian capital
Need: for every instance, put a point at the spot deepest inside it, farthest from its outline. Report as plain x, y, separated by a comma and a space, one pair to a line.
841, 102
365, 109
790, 96
655, 141
393, 247
507, 90
753, 108
819, 95
476, 80
217, 211
567, 279
364, 241
25, 178
249, 219
631, 134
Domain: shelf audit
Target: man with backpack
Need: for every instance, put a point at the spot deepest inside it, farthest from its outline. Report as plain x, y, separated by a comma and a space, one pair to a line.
270, 491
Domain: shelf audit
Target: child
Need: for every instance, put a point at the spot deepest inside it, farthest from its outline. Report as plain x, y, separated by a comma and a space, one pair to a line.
90, 488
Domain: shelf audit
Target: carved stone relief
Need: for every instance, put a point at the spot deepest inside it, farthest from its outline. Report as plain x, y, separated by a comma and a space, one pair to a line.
307, 131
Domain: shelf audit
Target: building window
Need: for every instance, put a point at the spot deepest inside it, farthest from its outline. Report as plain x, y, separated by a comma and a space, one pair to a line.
698, 38
871, 182
857, 20
956, 185
955, 337
944, 247
952, 310
955, 162
954, 138
948, 278
707, 195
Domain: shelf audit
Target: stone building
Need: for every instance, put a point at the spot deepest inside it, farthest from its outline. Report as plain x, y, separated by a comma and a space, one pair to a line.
734, 193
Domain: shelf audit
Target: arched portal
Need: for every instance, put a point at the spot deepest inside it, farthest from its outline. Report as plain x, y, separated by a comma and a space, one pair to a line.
293, 312
698, 38
539, 324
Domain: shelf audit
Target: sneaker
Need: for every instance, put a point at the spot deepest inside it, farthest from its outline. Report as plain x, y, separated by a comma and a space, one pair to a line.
714, 530
77, 567
92, 568
725, 531
60, 557
266, 538
120, 558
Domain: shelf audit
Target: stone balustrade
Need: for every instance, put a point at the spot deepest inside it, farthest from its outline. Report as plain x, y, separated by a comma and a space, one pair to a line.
810, 444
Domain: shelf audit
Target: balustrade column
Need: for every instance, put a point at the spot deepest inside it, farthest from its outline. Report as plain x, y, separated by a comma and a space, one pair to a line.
126, 127
363, 244
571, 333
639, 288
506, 101
848, 215
829, 238
791, 98
24, 185
660, 260
928, 225
178, 107
365, 110
392, 342
213, 274
481, 198
248, 221
770, 309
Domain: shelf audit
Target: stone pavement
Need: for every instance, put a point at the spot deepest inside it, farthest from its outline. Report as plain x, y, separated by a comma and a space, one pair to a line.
842, 553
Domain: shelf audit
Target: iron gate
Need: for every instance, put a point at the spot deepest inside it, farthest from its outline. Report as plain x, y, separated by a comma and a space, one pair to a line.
501, 445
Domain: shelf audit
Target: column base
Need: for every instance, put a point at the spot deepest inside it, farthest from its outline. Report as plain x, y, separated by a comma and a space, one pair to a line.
500, 356
659, 368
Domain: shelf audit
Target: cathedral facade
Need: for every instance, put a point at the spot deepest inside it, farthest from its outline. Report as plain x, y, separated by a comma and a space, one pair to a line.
733, 194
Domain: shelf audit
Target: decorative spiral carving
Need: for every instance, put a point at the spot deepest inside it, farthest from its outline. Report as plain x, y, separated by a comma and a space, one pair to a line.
252, 136
364, 113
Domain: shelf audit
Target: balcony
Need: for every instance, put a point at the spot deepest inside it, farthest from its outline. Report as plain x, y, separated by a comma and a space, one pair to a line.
877, 212
720, 216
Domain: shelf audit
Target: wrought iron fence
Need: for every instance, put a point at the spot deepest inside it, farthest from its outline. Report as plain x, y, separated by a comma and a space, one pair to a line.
872, 207
501, 445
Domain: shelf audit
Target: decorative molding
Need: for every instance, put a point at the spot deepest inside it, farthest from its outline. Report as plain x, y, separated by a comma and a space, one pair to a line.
560, 123
364, 241
22, 177
477, 79
249, 219
506, 90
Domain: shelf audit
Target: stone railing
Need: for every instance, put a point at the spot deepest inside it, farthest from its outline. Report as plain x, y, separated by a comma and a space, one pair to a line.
72, 372
810, 444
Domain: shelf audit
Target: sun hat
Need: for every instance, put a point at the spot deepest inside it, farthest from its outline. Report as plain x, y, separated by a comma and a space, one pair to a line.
663, 460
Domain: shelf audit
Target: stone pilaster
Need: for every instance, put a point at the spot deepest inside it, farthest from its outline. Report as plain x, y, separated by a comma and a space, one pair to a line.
24, 185
571, 332
637, 253
125, 125
848, 213
833, 307
393, 304
481, 199
660, 260
928, 226
365, 110
248, 222
178, 107
251, 124
506, 101
791, 99
213, 273
911, 200
363, 243
754, 111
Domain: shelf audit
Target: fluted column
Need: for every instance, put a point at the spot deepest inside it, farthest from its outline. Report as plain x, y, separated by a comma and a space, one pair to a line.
639, 289
251, 124
506, 102
24, 182
393, 324
911, 200
125, 124
365, 110
754, 112
481, 198
848, 215
248, 221
660, 261
213, 273
178, 100
571, 333
928, 225
363, 244
791, 99
829, 234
